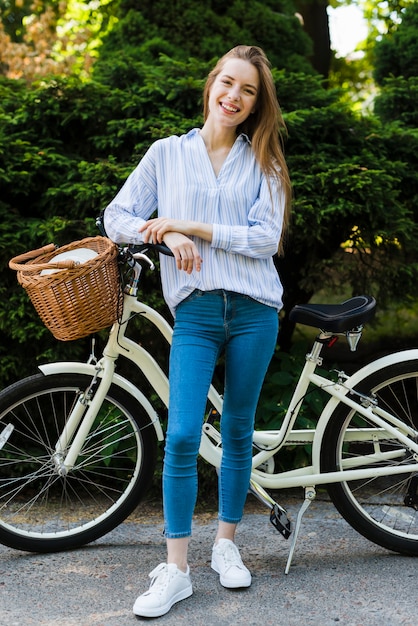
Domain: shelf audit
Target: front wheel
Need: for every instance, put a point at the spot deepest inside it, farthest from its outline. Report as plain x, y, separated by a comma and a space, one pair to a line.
379, 508
42, 511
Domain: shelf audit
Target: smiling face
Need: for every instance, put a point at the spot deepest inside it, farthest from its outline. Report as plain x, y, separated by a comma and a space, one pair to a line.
233, 94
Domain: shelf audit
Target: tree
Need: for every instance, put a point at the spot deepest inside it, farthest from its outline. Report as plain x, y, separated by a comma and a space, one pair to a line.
381, 16
355, 72
205, 30
397, 54
396, 72
66, 145
56, 37
316, 24
352, 210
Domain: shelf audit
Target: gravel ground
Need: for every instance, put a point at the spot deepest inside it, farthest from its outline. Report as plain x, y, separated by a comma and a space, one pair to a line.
337, 577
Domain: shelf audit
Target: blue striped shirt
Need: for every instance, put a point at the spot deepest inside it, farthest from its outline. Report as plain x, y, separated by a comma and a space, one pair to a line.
176, 178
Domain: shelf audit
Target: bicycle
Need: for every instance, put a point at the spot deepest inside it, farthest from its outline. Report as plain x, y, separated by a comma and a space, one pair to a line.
78, 441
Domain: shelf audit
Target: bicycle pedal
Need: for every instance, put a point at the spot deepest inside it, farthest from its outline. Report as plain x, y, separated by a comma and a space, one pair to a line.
411, 498
280, 521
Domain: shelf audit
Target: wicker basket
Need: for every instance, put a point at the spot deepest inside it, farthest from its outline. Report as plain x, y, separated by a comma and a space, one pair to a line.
78, 300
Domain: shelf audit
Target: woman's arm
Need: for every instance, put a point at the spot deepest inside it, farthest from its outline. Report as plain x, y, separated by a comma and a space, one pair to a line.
155, 229
134, 203
175, 234
185, 251
255, 235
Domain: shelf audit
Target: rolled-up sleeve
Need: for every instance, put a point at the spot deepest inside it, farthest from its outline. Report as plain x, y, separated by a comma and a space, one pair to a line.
260, 236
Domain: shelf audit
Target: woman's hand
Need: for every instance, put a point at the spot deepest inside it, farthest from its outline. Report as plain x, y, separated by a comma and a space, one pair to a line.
155, 229
174, 233
185, 251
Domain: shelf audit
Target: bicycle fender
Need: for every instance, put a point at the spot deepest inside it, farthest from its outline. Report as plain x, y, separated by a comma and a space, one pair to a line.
350, 383
69, 367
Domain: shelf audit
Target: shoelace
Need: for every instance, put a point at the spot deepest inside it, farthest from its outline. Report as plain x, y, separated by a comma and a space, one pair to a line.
159, 577
231, 556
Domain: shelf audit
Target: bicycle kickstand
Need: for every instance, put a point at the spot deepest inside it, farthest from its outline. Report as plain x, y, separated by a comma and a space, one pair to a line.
310, 495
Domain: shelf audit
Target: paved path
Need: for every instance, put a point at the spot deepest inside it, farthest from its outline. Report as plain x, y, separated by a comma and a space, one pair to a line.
337, 578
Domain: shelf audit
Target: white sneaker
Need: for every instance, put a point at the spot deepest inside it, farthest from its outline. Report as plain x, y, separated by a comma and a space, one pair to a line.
226, 561
168, 586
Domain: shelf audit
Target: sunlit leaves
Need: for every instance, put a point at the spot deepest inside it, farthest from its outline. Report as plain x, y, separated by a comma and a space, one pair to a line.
53, 38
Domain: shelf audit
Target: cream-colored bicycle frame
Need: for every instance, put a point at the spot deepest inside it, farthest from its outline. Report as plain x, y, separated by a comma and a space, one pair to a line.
266, 443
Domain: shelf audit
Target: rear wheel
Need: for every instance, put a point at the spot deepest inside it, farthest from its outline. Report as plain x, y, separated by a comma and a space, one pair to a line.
382, 509
42, 511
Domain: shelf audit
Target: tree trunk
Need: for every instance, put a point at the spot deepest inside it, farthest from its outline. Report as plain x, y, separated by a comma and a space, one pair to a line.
316, 25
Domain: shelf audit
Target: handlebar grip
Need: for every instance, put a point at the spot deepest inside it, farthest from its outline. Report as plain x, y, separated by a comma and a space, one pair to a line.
161, 247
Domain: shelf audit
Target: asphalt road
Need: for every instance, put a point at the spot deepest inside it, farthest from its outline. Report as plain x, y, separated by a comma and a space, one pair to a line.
337, 578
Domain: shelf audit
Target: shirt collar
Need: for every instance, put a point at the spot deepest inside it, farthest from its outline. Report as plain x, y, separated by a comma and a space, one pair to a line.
241, 136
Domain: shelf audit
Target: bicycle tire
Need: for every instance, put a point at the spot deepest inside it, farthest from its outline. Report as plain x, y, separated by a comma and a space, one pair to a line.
41, 511
375, 507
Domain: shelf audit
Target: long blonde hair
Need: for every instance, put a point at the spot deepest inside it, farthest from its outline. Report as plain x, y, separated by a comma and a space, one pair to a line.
264, 127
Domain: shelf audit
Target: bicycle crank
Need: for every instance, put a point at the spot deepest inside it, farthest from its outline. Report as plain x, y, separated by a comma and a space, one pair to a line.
278, 515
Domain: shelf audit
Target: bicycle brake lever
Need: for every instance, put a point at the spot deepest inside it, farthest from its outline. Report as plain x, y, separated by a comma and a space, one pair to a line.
139, 256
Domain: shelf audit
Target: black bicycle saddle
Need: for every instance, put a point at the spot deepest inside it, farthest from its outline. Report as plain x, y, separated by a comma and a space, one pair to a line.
335, 318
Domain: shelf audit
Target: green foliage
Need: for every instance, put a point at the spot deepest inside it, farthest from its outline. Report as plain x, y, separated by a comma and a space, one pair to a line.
397, 53
91, 18
67, 146
349, 175
281, 379
204, 30
355, 72
13, 12
397, 101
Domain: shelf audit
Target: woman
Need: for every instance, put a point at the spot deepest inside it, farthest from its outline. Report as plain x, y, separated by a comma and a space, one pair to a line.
222, 194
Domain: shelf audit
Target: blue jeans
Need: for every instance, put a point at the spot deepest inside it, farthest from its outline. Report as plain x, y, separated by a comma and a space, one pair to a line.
207, 324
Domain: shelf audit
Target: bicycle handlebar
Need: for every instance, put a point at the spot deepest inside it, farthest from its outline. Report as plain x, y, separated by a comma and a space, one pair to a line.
140, 247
